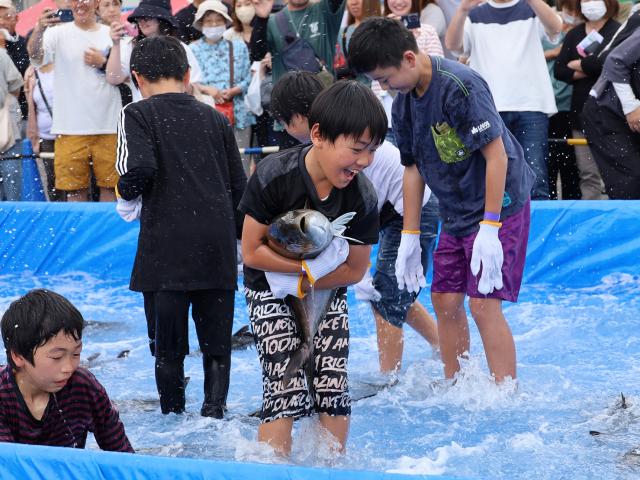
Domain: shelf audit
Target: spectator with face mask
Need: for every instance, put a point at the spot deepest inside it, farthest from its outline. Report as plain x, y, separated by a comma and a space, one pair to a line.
242, 14
153, 18
226, 68
579, 65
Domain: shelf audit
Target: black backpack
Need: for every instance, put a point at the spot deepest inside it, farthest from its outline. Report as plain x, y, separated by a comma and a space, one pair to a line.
297, 54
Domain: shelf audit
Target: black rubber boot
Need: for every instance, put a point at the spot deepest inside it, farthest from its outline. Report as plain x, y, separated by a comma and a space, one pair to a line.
171, 384
216, 385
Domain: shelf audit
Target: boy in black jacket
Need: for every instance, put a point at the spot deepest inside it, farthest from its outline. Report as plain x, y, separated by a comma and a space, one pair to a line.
180, 171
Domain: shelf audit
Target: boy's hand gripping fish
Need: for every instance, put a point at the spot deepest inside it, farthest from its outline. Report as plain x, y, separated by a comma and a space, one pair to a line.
304, 234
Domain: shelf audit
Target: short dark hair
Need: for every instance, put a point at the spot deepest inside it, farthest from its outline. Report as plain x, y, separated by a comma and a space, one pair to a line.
349, 108
294, 93
379, 43
34, 319
159, 57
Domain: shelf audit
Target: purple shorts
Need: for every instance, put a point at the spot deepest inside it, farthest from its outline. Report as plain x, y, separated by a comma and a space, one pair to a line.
451, 270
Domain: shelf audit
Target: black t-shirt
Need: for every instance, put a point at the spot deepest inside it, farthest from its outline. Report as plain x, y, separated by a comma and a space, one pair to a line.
281, 183
182, 156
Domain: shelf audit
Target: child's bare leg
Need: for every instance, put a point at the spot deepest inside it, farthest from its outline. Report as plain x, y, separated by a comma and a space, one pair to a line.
496, 337
277, 434
107, 194
390, 344
338, 426
453, 329
419, 319
78, 195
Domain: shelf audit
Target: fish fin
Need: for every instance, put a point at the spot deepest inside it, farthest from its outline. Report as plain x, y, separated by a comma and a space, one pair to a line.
339, 225
349, 238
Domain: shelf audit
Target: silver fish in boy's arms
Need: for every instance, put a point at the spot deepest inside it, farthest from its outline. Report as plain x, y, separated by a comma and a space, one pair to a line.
304, 233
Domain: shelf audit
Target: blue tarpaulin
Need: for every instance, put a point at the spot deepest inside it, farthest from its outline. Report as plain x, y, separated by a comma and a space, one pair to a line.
574, 244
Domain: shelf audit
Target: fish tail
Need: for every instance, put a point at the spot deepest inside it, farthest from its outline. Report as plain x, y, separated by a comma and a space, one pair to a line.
296, 361
339, 225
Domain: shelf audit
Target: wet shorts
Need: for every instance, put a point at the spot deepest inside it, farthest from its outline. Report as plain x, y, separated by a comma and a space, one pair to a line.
73, 153
451, 270
167, 314
395, 303
276, 336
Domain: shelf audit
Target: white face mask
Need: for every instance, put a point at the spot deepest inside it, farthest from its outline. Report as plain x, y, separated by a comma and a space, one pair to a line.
213, 33
7, 36
593, 10
245, 14
568, 19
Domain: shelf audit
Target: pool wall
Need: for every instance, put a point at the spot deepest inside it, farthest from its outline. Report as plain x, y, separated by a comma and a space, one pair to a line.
575, 244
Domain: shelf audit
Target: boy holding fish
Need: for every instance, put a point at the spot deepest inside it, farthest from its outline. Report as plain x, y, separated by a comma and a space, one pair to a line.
347, 126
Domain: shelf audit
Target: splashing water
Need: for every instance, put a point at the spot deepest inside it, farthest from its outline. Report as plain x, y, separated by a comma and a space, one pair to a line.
577, 350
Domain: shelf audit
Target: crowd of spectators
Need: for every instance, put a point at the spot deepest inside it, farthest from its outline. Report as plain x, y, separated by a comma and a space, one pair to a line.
555, 71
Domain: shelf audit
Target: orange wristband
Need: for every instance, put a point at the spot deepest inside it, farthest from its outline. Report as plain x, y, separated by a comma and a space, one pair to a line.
411, 232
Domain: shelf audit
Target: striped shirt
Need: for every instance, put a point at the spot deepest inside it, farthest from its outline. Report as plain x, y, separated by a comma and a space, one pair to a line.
81, 406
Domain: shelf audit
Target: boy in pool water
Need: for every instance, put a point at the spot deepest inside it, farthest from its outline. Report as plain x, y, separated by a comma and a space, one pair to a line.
347, 126
291, 101
45, 397
451, 137
180, 171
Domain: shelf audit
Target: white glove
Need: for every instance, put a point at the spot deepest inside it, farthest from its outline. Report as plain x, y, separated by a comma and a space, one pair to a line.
365, 291
487, 250
129, 210
409, 271
331, 258
283, 284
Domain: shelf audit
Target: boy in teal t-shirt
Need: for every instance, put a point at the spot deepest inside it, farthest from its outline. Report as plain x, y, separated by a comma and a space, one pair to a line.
317, 23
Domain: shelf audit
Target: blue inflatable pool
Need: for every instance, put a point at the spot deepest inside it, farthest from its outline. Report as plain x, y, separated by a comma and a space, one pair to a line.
575, 327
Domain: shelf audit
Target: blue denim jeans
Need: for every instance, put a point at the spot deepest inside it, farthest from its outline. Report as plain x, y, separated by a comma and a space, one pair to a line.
11, 174
531, 131
395, 303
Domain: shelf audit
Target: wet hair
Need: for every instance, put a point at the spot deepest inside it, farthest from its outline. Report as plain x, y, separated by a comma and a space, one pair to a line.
349, 108
294, 93
34, 319
379, 43
159, 57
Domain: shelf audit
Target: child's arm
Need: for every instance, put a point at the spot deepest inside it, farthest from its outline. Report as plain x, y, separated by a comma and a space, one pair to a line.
136, 156
237, 176
257, 254
349, 273
487, 248
108, 429
496, 158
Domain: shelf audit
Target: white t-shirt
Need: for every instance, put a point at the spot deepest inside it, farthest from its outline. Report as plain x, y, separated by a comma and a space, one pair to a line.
43, 118
126, 48
385, 173
504, 47
85, 103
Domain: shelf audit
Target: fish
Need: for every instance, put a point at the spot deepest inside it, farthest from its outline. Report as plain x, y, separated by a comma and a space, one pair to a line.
303, 234
242, 338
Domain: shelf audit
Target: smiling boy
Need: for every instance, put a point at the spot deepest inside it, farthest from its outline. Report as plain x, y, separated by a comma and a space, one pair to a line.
451, 136
347, 126
45, 398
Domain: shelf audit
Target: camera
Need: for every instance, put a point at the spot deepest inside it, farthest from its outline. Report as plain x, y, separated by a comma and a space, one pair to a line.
411, 21
64, 14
